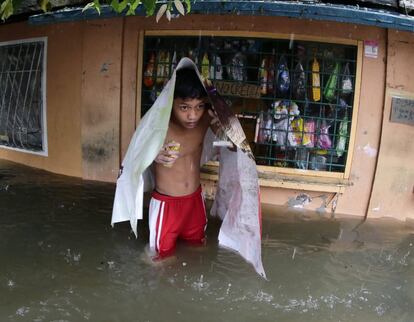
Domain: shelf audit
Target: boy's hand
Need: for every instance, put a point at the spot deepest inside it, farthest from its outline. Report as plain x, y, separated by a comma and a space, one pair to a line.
214, 123
169, 154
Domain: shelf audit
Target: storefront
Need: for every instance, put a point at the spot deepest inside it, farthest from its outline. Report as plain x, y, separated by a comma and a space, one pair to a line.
294, 98
313, 97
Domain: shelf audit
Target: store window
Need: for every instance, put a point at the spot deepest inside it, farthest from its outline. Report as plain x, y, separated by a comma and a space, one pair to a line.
22, 93
294, 99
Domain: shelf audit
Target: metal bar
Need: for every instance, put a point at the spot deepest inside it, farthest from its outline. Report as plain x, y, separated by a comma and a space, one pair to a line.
11, 91
27, 88
3, 101
36, 88
17, 107
3, 84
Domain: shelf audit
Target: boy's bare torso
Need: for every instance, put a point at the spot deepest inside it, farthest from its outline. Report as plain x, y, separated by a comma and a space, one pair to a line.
183, 177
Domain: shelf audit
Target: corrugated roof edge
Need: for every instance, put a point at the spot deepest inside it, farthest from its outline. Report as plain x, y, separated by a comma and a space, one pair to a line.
316, 11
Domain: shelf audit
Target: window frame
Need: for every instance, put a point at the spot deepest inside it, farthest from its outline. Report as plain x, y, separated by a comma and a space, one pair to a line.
338, 179
44, 151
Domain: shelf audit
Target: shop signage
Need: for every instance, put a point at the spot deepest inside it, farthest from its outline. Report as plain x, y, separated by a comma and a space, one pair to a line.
402, 110
237, 89
371, 48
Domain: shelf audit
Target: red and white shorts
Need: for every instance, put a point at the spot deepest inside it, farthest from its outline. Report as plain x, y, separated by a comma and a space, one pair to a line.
172, 218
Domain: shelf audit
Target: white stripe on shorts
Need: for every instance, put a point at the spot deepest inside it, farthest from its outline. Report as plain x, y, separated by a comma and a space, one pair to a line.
160, 225
154, 210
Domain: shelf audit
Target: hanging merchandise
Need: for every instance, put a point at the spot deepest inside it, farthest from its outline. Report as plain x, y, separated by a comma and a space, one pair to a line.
263, 76
149, 72
283, 78
238, 72
346, 82
263, 128
316, 81
309, 134
302, 158
205, 67
166, 67
342, 104
293, 113
251, 45
299, 82
331, 85
162, 67
297, 128
271, 74
284, 113
280, 124
317, 162
324, 141
343, 134
191, 54
216, 69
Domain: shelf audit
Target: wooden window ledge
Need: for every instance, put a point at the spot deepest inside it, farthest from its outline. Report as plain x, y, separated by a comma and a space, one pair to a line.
288, 181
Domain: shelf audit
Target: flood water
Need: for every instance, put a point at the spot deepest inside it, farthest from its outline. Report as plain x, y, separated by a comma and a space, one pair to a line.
62, 261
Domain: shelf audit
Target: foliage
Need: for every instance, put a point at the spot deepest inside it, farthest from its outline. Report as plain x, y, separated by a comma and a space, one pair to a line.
6, 9
127, 7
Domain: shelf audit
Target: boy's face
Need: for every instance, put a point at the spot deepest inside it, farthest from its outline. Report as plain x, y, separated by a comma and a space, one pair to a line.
188, 112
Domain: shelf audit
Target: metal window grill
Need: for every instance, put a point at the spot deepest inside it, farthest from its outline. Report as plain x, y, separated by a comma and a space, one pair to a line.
287, 125
21, 104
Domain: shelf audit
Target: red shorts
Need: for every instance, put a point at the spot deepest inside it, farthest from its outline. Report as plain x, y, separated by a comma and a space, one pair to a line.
171, 218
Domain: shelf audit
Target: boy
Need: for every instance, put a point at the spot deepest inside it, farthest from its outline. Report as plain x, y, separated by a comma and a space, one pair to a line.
177, 208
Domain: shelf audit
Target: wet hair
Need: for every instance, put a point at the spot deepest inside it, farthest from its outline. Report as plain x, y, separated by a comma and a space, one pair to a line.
188, 85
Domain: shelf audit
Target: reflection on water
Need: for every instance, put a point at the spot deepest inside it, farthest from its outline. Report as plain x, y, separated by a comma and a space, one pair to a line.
61, 261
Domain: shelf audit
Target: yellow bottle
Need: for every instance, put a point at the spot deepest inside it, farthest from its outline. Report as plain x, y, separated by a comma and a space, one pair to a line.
316, 81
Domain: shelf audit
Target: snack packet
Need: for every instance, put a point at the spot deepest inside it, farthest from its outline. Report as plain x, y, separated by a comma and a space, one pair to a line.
171, 146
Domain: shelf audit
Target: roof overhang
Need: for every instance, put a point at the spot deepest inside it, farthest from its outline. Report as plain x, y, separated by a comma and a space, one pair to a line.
299, 10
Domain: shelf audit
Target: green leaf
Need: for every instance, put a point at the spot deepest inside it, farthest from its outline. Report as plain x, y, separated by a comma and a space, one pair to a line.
89, 5
122, 5
149, 6
115, 5
188, 3
119, 6
45, 5
93, 5
6, 9
132, 7
97, 6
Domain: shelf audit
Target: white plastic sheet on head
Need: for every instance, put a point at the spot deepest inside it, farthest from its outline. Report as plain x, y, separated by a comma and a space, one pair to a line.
237, 198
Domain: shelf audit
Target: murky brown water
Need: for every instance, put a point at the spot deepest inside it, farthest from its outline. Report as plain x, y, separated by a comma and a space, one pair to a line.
61, 261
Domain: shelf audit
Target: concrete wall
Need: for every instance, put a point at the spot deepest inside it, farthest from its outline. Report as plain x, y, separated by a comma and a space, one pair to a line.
101, 98
92, 96
84, 61
64, 63
393, 190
